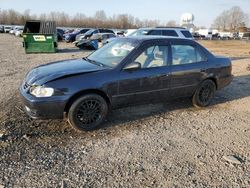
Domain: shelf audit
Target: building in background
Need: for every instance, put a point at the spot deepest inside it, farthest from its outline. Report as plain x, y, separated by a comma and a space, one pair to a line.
187, 21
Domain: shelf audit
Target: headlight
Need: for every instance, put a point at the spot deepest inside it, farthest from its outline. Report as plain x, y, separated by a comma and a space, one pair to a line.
41, 91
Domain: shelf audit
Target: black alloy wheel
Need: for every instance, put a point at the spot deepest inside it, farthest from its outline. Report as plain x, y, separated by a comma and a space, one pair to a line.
204, 94
87, 112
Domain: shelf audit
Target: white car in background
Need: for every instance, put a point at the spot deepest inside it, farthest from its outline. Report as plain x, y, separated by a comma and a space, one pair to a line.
177, 32
18, 31
7, 29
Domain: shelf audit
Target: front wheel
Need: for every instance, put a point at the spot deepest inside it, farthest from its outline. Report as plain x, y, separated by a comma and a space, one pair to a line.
87, 112
204, 94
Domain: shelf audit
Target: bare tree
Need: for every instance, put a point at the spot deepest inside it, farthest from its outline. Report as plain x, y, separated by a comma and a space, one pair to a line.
237, 17
231, 19
171, 23
222, 21
100, 19
100, 15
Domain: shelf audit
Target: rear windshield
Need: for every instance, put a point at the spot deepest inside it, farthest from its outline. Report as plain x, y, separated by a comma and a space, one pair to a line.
187, 34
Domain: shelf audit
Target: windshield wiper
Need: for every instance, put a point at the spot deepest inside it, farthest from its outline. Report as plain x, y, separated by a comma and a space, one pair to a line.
95, 62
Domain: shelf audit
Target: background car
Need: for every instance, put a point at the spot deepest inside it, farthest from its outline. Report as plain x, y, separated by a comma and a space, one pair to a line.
246, 36
71, 37
12, 30
90, 33
7, 29
177, 32
19, 31
95, 41
1, 29
60, 33
126, 71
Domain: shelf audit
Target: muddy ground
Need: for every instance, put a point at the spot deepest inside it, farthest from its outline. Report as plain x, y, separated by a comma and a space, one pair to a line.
158, 145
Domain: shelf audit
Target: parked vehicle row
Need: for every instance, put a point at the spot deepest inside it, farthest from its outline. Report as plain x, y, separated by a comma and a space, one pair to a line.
94, 38
15, 30
6, 29
219, 36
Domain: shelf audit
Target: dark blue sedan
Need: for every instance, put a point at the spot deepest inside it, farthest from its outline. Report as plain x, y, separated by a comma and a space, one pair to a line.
126, 71
71, 37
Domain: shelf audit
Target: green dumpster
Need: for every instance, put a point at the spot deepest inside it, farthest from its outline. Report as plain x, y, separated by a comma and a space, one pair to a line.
40, 37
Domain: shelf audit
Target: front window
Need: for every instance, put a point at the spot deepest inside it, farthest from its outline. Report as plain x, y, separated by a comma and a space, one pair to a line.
154, 56
113, 53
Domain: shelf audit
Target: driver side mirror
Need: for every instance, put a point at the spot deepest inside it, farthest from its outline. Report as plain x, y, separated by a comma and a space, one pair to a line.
132, 66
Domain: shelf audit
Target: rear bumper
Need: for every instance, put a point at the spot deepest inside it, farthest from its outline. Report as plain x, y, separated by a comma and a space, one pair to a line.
43, 108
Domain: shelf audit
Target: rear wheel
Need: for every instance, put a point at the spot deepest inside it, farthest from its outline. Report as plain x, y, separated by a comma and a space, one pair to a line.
204, 94
87, 112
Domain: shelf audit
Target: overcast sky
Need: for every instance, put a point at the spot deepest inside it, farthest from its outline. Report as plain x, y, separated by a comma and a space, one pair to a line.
164, 10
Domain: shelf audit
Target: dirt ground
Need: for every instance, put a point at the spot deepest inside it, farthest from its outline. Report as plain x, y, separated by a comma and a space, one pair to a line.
158, 145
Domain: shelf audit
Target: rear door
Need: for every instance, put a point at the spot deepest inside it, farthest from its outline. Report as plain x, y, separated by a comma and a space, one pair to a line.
188, 68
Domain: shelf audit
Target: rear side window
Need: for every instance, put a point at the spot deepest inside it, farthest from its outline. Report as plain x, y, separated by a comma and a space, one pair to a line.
187, 34
155, 32
186, 54
170, 33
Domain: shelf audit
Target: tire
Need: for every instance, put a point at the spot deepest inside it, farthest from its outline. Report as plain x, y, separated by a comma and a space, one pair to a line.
204, 94
87, 112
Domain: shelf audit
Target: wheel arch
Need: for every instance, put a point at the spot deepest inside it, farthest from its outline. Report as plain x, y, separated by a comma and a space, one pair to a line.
214, 79
85, 92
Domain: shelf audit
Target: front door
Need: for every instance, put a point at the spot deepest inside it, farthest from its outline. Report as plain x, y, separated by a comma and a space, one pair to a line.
149, 82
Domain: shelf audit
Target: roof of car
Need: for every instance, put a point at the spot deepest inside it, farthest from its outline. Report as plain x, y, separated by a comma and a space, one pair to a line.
156, 37
163, 28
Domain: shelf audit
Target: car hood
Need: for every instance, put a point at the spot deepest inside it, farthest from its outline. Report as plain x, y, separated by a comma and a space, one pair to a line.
45, 73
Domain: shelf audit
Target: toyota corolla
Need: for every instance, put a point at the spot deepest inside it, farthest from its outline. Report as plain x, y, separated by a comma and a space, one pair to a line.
126, 71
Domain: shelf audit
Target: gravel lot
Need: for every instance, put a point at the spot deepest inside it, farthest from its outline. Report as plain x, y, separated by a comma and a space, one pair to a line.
158, 145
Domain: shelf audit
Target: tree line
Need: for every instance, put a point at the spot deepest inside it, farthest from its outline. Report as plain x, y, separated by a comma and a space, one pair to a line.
231, 20
228, 20
100, 19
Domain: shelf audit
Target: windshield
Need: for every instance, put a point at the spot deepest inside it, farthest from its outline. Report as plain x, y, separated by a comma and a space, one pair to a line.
113, 53
139, 32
